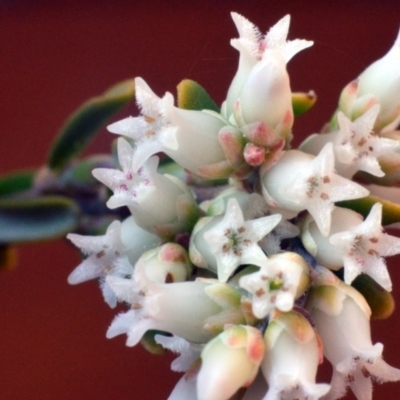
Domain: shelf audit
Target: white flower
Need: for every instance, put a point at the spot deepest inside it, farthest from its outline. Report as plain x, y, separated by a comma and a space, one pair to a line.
104, 255
129, 187
319, 246
189, 137
291, 359
195, 311
382, 79
188, 352
233, 241
152, 132
364, 246
229, 361
341, 315
255, 49
158, 203
300, 181
280, 281
356, 146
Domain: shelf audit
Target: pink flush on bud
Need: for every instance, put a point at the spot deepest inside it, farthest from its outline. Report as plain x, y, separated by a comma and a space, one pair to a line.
254, 155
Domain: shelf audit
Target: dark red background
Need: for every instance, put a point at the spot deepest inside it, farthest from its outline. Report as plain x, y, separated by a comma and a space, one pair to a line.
56, 54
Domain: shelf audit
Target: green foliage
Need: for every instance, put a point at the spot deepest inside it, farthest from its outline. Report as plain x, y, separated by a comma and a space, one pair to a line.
43, 218
303, 102
16, 182
86, 121
380, 300
390, 210
148, 341
192, 96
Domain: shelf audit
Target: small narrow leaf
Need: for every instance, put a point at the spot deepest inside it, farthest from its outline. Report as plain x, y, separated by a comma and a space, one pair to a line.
192, 96
8, 257
303, 102
380, 300
86, 121
16, 182
390, 210
149, 343
43, 218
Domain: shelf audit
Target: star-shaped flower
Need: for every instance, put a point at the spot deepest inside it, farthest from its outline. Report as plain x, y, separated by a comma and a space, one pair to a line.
279, 282
271, 243
188, 352
104, 258
233, 240
316, 188
363, 248
252, 40
128, 186
152, 131
358, 147
102, 252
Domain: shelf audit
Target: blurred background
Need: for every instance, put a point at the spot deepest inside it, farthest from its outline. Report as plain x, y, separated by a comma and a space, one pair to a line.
54, 55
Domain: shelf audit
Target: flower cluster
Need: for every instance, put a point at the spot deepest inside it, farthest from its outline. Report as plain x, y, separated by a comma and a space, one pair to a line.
247, 261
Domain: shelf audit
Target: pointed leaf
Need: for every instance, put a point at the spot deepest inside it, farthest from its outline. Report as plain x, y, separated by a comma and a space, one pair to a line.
390, 210
192, 96
8, 257
303, 102
15, 182
380, 300
149, 343
86, 121
44, 218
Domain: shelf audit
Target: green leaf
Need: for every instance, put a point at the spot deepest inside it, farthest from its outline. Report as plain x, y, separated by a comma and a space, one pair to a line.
303, 102
192, 96
38, 219
148, 341
380, 300
16, 182
390, 210
86, 121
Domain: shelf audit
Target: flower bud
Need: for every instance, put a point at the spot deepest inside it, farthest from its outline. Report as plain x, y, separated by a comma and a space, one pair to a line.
379, 83
382, 79
167, 263
229, 361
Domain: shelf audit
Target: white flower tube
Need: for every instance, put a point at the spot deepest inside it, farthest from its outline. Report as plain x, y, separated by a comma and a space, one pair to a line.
266, 95
341, 316
189, 137
261, 83
292, 355
195, 311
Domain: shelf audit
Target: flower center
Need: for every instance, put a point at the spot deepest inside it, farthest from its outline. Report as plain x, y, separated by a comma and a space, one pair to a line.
235, 241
